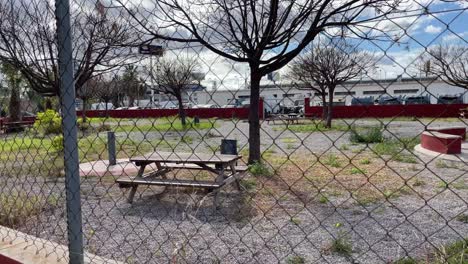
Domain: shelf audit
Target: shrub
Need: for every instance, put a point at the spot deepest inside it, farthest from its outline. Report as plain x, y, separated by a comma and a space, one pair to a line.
260, 169
367, 135
57, 143
48, 122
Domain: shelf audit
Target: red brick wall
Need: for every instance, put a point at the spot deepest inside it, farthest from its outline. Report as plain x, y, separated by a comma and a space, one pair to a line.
381, 111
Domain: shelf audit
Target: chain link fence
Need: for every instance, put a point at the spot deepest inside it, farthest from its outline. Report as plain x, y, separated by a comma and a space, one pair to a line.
193, 131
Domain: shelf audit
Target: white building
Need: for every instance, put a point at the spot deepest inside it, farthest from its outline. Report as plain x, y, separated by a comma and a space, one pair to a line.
290, 94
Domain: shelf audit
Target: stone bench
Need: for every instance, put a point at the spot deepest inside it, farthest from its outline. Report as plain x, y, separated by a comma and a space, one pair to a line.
441, 142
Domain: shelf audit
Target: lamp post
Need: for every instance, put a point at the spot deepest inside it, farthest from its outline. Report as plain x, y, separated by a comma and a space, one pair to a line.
152, 50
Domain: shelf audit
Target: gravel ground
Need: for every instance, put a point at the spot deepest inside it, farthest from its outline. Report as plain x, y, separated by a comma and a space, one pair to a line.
181, 226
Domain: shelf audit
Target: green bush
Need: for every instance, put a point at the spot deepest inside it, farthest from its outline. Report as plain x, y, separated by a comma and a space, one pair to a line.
260, 169
48, 122
367, 135
57, 143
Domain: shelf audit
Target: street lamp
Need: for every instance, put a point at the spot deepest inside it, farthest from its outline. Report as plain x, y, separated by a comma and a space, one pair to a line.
152, 50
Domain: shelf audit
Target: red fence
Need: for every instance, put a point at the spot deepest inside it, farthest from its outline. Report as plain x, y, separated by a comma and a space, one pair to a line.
382, 111
240, 113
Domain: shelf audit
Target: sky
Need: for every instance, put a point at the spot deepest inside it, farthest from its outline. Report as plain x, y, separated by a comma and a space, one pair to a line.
445, 23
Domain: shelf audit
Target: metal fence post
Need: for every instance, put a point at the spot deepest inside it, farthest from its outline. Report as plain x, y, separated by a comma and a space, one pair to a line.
111, 147
67, 92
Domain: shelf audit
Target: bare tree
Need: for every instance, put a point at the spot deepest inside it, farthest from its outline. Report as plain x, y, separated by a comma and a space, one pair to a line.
89, 90
174, 76
265, 34
28, 41
328, 65
14, 81
449, 62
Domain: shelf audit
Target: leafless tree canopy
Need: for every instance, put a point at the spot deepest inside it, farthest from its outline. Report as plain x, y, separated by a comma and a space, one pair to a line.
265, 34
174, 76
450, 63
328, 65
27, 41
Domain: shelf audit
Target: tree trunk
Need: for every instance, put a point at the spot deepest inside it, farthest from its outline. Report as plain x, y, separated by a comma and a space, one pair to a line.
330, 108
181, 111
48, 103
324, 107
83, 111
14, 105
254, 122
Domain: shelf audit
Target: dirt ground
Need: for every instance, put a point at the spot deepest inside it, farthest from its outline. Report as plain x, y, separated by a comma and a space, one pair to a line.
319, 198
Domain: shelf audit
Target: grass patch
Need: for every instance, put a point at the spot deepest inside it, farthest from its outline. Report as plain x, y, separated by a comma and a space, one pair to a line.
249, 184
455, 253
365, 161
260, 169
395, 149
356, 170
289, 140
332, 160
366, 135
462, 218
165, 124
314, 127
16, 208
295, 260
344, 147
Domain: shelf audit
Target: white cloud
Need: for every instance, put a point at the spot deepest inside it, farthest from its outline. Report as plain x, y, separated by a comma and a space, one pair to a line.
433, 29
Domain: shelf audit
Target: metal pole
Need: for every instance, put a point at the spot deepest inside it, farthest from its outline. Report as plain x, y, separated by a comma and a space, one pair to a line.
67, 96
111, 147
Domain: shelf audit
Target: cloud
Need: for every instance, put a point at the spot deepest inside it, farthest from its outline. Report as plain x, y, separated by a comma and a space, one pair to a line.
433, 29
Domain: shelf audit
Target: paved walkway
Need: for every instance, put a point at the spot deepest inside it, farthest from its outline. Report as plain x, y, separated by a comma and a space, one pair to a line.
463, 157
17, 247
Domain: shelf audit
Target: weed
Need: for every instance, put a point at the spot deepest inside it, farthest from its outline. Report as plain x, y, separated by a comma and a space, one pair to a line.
341, 244
344, 147
332, 160
418, 182
295, 220
462, 218
323, 199
250, 184
441, 164
356, 170
455, 253
366, 135
395, 147
290, 146
296, 260
365, 161
443, 185
406, 260
289, 140
18, 207
260, 169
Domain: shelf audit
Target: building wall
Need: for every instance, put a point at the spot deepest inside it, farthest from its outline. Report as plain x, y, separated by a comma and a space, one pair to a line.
287, 94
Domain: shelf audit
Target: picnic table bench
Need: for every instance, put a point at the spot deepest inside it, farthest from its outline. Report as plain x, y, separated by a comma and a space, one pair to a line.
222, 165
289, 118
7, 125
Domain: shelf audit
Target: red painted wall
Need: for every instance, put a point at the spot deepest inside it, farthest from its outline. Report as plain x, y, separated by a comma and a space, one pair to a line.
240, 113
7, 260
441, 145
361, 111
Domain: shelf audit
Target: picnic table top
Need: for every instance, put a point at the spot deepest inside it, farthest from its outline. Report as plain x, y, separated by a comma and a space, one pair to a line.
186, 158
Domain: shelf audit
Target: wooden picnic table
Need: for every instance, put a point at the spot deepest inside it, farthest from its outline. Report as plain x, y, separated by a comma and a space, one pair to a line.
222, 165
